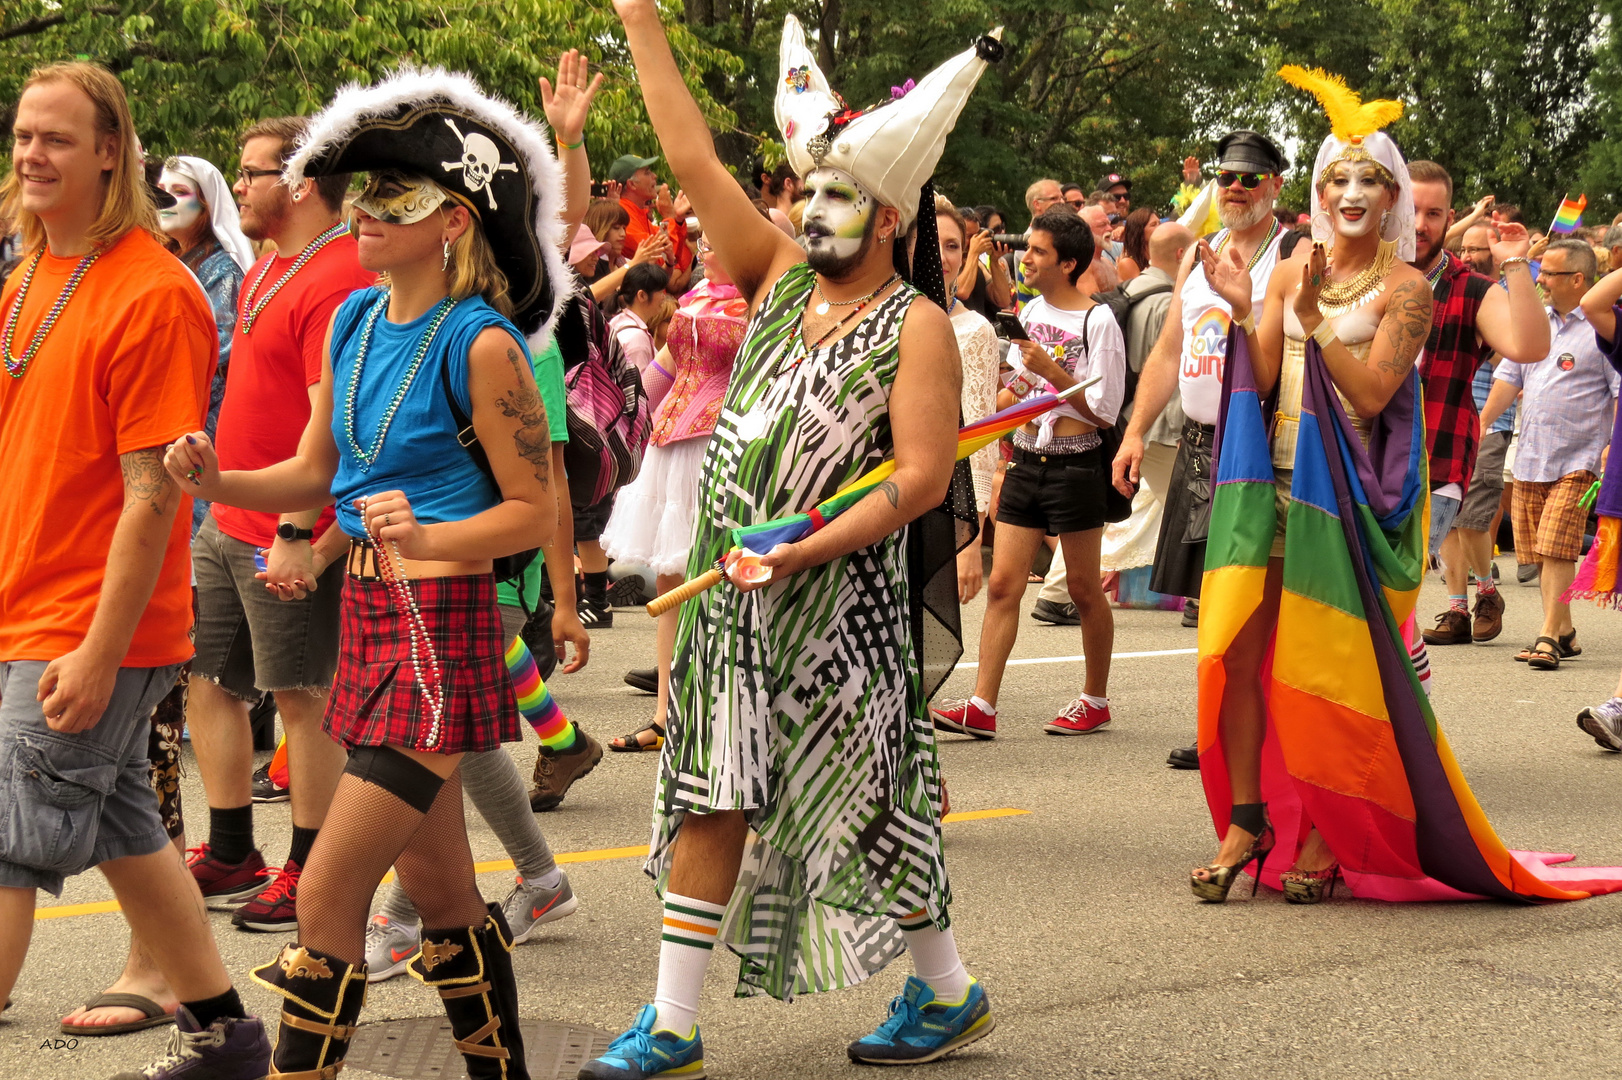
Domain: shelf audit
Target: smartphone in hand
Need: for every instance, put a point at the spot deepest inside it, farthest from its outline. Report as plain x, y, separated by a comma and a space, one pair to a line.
1009, 326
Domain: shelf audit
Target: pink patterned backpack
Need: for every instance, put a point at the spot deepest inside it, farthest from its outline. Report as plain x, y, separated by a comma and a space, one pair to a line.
609, 417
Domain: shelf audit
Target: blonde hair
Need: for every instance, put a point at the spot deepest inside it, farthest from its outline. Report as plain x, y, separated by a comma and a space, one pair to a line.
473, 269
944, 208
126, 203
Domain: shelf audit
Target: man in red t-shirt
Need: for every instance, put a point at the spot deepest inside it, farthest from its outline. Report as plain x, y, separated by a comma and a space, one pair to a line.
95, 604
276, 633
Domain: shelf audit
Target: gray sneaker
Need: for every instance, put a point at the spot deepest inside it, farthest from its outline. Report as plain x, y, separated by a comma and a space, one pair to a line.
1604, 724
530, 906
225, 1050
390, 946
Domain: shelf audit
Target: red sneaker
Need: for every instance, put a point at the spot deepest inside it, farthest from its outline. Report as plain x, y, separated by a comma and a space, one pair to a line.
225, 884
276, 908
1078, 718
964, 718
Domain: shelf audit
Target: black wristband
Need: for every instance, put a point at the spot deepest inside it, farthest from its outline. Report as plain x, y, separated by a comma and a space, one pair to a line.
288, 531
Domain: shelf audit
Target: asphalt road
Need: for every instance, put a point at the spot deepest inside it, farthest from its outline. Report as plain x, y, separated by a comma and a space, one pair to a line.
1075, 913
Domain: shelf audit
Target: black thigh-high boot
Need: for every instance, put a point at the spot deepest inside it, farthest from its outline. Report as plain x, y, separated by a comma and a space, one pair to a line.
321, 1002
471, 968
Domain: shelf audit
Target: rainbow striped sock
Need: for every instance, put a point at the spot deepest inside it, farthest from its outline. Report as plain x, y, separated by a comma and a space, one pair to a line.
536, 702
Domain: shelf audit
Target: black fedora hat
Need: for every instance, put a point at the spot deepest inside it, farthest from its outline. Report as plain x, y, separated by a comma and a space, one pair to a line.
437, 124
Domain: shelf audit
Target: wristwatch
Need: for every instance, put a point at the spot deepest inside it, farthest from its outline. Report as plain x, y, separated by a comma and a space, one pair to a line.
288, 531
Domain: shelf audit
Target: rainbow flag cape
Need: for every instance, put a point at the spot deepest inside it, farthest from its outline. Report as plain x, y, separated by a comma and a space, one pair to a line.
766, 535
1352, 745
1569, 218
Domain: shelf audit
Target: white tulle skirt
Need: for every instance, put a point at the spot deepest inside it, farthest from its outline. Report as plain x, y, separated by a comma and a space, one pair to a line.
653, 516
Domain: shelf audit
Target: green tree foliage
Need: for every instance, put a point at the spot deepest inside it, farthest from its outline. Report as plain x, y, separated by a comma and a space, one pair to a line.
1513, 96
198, 71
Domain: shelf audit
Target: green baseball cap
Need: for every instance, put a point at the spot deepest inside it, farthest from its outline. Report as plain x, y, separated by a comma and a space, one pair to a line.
626, 164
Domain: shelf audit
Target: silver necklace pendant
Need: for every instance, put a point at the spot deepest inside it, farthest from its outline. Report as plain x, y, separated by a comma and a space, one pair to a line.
822, 308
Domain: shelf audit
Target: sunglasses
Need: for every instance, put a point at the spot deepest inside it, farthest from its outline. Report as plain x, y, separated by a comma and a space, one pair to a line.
1249, 180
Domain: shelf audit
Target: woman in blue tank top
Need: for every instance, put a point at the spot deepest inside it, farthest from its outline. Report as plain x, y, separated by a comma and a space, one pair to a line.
430, 435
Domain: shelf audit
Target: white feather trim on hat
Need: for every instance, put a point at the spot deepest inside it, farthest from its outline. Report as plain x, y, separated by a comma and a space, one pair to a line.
354, 104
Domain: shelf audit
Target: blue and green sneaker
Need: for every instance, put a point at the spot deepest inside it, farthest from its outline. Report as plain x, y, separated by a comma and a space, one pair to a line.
643, 1053
922, 1029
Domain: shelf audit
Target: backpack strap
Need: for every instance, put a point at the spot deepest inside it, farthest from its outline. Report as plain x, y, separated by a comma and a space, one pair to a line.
465, 435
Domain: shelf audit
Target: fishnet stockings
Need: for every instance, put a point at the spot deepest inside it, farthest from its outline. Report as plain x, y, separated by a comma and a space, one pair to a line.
367, 830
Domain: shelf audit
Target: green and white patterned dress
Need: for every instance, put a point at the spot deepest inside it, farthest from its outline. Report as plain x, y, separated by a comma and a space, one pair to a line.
801, 703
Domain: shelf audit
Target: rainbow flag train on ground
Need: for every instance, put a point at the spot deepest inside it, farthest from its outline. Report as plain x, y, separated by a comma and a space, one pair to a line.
1352, 745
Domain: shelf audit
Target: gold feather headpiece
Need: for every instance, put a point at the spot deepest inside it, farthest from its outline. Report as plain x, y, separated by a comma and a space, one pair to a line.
1351, 119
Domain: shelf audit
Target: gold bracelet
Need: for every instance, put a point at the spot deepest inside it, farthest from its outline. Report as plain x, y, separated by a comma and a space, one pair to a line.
1324, 334
1248, 323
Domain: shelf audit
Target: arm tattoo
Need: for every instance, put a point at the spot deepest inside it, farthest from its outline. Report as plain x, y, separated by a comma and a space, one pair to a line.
1407, 324
145, 480
533, 438
891, 492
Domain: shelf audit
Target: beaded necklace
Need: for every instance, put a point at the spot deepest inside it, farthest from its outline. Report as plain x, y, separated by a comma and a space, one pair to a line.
799, 327
16, 365
367, 458
1435, 275
1339, 297
251, 310
432, 686
1261, 248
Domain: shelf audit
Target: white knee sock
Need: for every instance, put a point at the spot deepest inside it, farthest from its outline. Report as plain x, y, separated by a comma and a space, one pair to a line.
935, 960
691, 928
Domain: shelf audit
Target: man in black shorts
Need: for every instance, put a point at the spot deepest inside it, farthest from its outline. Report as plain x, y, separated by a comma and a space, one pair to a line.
1058, 482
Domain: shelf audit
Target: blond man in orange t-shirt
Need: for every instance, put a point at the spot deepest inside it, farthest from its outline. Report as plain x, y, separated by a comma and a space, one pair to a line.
109, 345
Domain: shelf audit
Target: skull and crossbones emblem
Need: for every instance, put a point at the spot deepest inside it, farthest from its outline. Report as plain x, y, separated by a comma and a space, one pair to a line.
481, 161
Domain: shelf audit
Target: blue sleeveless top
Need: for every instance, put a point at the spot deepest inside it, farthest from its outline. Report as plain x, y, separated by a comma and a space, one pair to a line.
420, 455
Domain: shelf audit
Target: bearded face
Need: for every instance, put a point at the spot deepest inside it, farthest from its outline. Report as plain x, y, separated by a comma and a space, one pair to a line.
840, 220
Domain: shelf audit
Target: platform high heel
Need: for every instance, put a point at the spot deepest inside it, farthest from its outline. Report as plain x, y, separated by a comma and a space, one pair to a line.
1310, 886
1219, 879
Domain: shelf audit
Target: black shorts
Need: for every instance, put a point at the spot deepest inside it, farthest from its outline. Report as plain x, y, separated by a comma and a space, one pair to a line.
1057, 493
590, 521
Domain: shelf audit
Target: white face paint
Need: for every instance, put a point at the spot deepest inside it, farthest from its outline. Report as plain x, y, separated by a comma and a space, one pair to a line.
180, 217
1356, 197
838, 212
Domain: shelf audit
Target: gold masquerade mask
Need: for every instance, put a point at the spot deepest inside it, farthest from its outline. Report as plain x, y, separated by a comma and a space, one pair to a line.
397, 199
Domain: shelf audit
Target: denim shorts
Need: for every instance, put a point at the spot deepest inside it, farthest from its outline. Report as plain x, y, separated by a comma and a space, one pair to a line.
69, 802
250, 642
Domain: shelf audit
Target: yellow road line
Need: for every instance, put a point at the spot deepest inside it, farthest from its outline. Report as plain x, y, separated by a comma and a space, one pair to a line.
639, 851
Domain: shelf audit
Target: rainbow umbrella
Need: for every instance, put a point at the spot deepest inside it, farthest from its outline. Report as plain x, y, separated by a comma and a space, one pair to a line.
751, 541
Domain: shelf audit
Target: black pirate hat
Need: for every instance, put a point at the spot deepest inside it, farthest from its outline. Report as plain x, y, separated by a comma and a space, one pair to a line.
440, 125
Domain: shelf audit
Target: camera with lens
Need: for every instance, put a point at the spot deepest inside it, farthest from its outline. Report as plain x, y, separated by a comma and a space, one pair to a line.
1011, 241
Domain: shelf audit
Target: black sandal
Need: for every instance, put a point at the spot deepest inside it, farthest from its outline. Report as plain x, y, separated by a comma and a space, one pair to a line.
1569, 649
1544, 659
633, 744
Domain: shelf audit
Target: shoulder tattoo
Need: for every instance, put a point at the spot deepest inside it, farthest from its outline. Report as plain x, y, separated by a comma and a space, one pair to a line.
533, 438
1407, 325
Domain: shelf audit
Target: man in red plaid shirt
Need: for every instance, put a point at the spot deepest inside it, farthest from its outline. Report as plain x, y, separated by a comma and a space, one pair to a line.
1472, 321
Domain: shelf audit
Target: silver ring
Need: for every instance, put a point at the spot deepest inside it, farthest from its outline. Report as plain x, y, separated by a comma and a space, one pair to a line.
388, 519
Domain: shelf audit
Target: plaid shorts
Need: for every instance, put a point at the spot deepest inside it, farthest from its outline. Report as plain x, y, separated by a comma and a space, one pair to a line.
375, 698
1548, 522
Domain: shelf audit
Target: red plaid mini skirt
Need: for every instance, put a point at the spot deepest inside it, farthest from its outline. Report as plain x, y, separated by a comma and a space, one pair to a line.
375, 698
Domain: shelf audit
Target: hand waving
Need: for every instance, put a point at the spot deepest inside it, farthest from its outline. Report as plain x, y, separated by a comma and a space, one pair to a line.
567, 105
1513, 242
1312, 285
1229, 278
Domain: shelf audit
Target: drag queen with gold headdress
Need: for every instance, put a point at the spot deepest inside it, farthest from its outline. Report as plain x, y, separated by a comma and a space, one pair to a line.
1314, 733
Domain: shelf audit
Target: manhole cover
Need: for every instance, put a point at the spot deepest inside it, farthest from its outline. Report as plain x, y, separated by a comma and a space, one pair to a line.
420, 1048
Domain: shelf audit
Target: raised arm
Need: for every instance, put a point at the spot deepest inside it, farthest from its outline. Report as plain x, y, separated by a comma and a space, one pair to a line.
1404, 328
753, 250
1511, 320
1599, 304
566, 108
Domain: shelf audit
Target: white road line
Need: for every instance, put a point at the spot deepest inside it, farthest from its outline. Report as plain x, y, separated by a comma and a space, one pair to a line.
1077, 659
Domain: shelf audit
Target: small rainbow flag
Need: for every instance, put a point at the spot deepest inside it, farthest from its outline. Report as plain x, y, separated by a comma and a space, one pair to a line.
1569, 218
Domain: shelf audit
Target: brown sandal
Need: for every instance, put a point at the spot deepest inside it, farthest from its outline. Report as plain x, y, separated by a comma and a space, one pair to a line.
1544, 659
